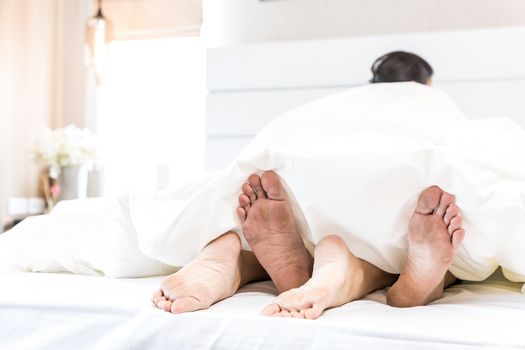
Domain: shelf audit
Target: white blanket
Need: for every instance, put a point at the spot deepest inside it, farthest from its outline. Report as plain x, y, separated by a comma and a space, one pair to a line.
353, 164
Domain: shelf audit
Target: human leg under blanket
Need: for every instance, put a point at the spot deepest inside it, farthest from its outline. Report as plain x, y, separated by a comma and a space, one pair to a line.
270, 229
221, 268
338, 278
434, 234
215, 274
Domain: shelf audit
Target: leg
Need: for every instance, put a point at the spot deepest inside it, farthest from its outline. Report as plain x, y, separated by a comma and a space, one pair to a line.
338, 278
449, 280
269, 227
219, 270
251, 269
435, 232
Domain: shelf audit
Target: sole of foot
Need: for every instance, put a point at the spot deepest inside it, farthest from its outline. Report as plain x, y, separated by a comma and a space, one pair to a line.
269, 227
212, 276
434, 234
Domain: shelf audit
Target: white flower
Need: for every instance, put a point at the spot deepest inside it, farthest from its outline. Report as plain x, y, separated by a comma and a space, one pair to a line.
69, 146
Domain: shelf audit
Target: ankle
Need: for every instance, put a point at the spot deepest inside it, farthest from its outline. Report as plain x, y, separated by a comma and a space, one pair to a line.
407, 292
358, 287
293, 277
404, 293
251, 269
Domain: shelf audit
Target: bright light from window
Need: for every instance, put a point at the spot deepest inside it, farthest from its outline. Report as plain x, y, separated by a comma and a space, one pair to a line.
151, 114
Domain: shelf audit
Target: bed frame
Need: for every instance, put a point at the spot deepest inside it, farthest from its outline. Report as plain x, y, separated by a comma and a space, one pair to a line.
482, 70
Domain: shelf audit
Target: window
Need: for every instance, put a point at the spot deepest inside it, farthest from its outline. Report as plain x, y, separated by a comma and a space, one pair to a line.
151, 114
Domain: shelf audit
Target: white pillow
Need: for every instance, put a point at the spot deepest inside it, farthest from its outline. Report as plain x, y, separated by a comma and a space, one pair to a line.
90, 237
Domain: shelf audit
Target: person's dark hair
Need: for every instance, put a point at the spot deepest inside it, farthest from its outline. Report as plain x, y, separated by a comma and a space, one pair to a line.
401, 66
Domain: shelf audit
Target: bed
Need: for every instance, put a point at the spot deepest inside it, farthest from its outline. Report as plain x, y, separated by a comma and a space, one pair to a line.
64, 311
248, 86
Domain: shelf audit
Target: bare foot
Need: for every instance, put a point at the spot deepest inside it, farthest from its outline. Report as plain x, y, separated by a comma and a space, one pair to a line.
214, 275
435, 232
269, 227
338, 278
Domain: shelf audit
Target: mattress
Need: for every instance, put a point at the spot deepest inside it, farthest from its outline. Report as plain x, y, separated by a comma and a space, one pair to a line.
65, 311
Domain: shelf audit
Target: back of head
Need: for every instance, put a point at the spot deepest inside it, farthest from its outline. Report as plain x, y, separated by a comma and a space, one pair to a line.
400, 66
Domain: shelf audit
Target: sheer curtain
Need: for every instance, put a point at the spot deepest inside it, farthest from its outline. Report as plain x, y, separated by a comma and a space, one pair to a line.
27, 31
41, 85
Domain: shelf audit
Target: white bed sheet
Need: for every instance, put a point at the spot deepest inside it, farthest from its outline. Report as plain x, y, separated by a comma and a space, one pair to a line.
64, 311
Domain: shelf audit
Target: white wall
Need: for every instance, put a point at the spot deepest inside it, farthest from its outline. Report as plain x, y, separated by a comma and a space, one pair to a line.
230, 22
251, 84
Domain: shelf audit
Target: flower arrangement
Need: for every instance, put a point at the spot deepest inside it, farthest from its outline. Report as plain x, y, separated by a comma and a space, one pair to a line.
60, 150
65, 147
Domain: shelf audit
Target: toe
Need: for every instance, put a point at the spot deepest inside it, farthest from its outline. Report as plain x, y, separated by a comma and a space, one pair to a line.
241, 213
249, 191
457, 237
455, 224
244, 201
167, 305
164, 305
271, 310
255, 182
286, 314
158, 296
445, 201
187, 304
273, 186
170, 293
452, 211
428, 201
313, 313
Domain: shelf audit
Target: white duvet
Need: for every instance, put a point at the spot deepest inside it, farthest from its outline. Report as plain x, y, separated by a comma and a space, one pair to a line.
353, 164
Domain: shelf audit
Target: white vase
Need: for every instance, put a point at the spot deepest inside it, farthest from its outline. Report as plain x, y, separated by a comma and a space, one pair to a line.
73, 182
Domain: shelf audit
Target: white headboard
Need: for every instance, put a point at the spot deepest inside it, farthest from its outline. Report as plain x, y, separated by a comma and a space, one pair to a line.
482, 70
